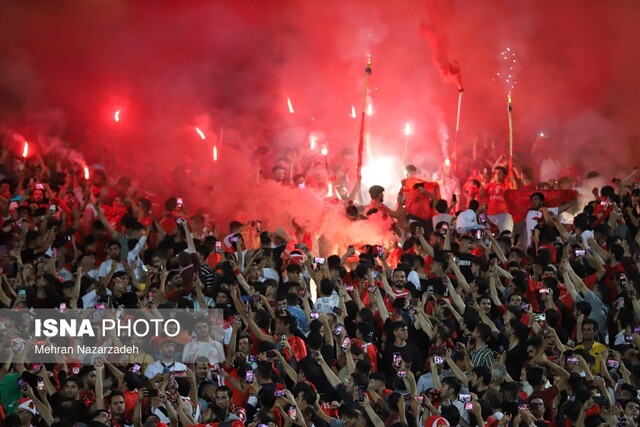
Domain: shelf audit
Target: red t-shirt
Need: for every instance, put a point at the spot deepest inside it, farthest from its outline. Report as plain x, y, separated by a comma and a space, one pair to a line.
497, 204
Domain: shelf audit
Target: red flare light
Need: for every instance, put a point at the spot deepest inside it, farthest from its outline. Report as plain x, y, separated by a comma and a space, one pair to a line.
407, 129
312, 142
447, 162
116, 116
215, 153
202, 136
324, 151
25, 150
86, 172
353, 112
290, 106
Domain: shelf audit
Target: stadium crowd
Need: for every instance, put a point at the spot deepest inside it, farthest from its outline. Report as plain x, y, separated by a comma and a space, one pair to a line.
503, 303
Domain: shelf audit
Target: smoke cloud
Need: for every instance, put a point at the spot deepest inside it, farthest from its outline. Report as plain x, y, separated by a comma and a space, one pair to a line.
67, 66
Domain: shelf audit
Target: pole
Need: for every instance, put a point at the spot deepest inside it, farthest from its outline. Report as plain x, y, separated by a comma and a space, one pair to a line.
509, 111
455, 140
367, 73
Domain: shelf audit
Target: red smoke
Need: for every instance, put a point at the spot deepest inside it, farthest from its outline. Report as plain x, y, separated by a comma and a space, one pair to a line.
434, 30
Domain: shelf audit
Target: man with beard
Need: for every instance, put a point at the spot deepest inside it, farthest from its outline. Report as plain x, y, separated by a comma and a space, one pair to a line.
222, 408
116, 410
167, 361
113, 264
203, 345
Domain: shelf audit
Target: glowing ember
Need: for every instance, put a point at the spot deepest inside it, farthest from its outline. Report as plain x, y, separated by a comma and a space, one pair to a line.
407, 129
353, 112
215, 153
86, 172
324, 151
447, 162
312, 142
202, 136
290, 106
25, 150
508, 71
116, 116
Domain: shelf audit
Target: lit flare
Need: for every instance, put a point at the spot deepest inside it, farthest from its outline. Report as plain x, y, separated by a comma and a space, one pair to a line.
290, 106
199, 132
116, 116
25, 150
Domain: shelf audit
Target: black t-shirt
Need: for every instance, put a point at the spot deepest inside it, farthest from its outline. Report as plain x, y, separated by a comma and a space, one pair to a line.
516, 357
126, 300
464, 260
409, 353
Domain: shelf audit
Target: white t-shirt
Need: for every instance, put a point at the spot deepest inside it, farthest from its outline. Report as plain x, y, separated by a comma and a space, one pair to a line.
532, 220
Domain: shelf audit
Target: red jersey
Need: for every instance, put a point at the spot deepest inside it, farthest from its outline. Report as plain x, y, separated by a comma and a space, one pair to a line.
497, 204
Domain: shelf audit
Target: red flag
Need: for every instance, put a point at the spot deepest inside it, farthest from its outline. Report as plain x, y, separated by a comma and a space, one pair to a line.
519, 201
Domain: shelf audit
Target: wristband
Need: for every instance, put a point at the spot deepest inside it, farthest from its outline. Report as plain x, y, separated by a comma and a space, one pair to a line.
236, 271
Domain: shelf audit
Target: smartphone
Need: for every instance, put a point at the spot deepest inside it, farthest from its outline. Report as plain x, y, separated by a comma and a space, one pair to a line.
464, 398
218, 247
361, 393
419, 398
454, 199
523, 407
613, 363
348, 288
249, 376
580, 252
293, 413
544, 291
40, 384
397, 360
380, 251
39, 186
63, 306
337, 311
542, 317
279, 393
524, 306
402, 374
272, 354
468, 406
628, 337
319, 261
302, 293
615, 181
179, 202
100, 306
233, 239
345, 343
482, 218
255, 298
53, 208
150, 297
136, 368
372, 289
314, 315
438, 360
152, 393
572, 360
636, 329
23, 384
338, 331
